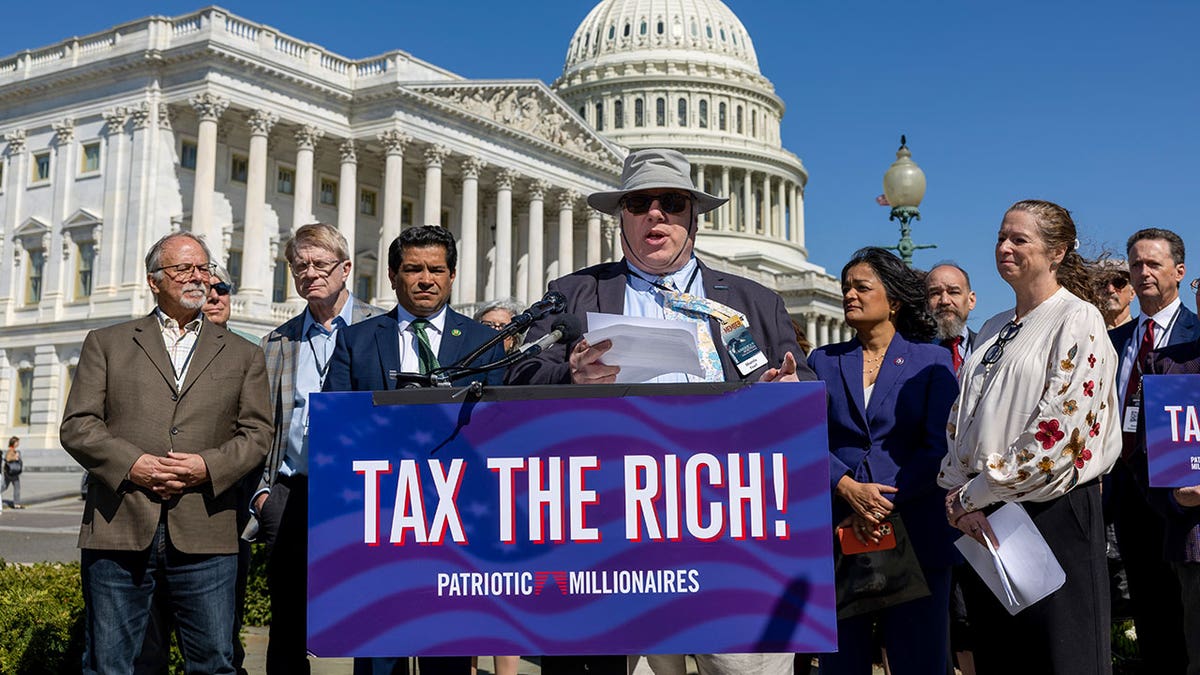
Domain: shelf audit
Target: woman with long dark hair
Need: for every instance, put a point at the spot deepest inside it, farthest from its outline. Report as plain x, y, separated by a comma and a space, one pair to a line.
890, 391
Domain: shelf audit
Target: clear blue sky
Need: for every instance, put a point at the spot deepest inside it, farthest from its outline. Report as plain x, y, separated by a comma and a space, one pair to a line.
1092, 104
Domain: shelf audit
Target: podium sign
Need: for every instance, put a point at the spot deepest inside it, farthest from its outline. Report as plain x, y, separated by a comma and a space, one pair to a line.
1172, 429
618, 520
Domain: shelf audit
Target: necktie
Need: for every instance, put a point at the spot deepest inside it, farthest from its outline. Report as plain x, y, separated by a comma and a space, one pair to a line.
425, 356
955, 355
686, 307
1133, 392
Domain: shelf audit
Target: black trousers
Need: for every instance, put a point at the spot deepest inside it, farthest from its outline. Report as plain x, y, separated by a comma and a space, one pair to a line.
583, 665
284, 517
1154, 591
1067, 632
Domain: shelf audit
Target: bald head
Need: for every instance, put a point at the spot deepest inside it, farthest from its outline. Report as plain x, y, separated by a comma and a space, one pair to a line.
948, 291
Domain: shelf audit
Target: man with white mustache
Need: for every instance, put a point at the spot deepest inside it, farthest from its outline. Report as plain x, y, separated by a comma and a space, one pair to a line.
167, 413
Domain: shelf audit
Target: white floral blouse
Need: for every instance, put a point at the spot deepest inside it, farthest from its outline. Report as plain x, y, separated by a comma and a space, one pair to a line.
1044, 417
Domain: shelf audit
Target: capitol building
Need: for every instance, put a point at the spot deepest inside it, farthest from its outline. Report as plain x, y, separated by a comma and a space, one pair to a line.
218, 124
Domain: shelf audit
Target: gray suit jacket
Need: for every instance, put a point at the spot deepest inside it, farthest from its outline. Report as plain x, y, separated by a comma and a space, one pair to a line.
124, 403
601, 288
280, 347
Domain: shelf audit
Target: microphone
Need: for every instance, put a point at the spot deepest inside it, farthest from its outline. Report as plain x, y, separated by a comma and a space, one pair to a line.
566, 329
552, 303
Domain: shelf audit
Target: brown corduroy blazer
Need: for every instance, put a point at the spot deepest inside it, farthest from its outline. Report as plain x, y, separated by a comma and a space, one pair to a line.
124, 402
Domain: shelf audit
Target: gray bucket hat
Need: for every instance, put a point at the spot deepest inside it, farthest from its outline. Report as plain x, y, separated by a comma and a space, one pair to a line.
650, 170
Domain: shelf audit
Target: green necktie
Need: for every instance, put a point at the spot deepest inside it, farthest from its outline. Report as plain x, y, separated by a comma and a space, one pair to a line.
425, 356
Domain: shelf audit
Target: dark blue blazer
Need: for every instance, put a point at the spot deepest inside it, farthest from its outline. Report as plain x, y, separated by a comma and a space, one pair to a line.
899, 439
367, 350
1186, 329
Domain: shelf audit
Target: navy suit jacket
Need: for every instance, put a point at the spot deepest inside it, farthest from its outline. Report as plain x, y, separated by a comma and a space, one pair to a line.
367, 350
601, 288
1186, 329
899, 439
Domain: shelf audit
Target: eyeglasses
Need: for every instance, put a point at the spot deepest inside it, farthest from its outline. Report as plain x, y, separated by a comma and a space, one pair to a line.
1196, 284
1119, 282
993, 353
323, 267
494, 324
222, 288
184, 271
670, 202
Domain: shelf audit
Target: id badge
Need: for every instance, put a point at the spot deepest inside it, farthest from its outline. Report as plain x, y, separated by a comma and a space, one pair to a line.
1131, 419
741, 346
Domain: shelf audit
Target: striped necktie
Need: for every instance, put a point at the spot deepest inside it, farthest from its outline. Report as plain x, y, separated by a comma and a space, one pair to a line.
426, 359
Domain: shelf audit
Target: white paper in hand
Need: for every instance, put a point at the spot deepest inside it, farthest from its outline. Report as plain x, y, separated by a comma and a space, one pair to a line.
645, 348
1022, 569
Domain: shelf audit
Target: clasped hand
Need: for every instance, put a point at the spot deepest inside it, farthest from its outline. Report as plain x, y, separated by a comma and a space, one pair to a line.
870, 507
169, 476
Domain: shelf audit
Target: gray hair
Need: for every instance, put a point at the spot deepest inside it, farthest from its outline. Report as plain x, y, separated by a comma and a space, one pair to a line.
154, 256
508, 304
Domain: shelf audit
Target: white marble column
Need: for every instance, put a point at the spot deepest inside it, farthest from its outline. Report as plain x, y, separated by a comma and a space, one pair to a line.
810, 328
780, 231
702, 219
432, 202
748, 225
14, 192
504, 232
117, 152
536, 237
394, 143
57, 282
307, 137
256, 268
469, 262
209, 109
725, 213
764, 223
595, 251
612, 233
825, 326
798, 216
348, 199
566, 233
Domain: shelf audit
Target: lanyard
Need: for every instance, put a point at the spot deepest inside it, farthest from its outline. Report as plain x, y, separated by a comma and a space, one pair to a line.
322, 368
181, 373
654, 282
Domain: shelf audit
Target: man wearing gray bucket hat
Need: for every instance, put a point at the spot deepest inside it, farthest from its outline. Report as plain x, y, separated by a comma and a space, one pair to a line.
744, 333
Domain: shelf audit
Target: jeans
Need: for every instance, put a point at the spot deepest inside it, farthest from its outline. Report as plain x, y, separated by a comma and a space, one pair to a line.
118, 588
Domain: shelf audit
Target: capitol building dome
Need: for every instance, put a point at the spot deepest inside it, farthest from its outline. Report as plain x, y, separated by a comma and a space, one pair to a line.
684, 74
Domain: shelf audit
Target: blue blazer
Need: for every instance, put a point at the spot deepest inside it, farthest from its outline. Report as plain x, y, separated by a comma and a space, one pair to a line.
1186, 329
899, 439
367, 350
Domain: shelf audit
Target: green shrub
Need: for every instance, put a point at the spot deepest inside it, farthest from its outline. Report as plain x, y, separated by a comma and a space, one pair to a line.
41, 618
258, 600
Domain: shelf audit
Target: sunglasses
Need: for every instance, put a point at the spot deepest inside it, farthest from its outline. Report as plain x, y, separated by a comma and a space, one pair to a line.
1118, 282
670, 202
1196, 284
222, 288
993, 353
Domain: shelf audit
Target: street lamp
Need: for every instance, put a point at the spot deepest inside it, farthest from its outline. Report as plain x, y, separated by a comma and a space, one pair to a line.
904, 187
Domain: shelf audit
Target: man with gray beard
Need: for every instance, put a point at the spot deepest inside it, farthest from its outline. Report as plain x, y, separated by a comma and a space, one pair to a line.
948, 289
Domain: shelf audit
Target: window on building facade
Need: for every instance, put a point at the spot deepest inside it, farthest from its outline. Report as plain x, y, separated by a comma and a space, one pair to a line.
612, 32
41, 167
329, 190
618, 114
33, 277
366, 201
599, 117
187, 155
1, 176
738, 121
754, 123
721, 122
285, 181
364, 286
703, 121
23, 399
83, 269
406, 213
239, 168
628, 29
683, 116
89, 160
642, 29
235, 267
660, 28
639, 113
279, 284
660, 112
